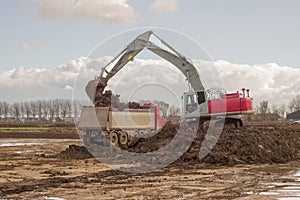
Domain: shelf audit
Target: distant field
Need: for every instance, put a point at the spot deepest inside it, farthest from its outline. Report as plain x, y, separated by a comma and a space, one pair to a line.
38, 125
23, 128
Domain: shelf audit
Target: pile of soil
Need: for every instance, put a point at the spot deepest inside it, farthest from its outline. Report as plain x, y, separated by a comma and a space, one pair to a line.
74, 152
108, 99
252, 144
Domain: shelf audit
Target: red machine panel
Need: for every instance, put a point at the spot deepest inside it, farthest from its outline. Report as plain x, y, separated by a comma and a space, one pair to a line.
230, 103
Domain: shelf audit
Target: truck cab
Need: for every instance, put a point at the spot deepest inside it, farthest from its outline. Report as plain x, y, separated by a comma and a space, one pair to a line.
160, 114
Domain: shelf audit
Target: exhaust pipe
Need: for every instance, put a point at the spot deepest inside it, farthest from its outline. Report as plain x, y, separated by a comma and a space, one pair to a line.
243, 91
248, 92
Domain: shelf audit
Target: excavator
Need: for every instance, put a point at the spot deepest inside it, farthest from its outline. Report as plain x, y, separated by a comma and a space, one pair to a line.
198, 103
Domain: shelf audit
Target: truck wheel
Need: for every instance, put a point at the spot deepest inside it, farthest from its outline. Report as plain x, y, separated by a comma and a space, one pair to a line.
114, 138
123, 138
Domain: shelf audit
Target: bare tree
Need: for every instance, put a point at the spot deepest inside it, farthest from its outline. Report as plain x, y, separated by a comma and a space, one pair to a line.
63, 108
56, 107
1, 109
22, 110
274, 109
39, 108
6, 107
263, 107
34, 108
69, 106
294, 104
45, 109
27, 108
77, 105
50, 105
282, 110
15, 110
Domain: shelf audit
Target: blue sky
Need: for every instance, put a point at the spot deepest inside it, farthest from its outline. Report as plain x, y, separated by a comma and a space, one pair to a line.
249, 32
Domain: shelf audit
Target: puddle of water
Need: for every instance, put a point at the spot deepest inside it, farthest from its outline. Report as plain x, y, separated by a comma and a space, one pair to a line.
26, 151
53, 198
14, 144
30, 142
292, 187
269, 193
249, 193
290, 191
295, 193
297, 173
263, 193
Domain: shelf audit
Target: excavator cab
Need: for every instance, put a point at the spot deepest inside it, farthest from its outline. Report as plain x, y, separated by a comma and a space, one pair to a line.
195, 104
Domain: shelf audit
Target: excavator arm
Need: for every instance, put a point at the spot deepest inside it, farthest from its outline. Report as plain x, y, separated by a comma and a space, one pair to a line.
133, 49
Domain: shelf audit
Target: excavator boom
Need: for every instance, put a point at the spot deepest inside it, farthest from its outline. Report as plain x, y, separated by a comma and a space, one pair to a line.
133, 49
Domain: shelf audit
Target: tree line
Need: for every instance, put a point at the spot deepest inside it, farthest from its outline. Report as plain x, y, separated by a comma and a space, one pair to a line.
64, 108
41, 109
293, 105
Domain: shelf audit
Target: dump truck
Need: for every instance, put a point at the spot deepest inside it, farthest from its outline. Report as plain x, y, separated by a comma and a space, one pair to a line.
122, 127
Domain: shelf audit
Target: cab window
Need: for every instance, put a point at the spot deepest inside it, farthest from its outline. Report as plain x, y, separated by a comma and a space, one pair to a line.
191, 104
161, 114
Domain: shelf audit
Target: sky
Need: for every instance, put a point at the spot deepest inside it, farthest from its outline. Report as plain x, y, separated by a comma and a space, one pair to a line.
259, 38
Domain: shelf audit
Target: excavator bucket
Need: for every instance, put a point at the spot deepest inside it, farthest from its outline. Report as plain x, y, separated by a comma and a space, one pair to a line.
94, 86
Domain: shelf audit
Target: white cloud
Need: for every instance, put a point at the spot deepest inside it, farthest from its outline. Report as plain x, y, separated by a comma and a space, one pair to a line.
266, 81
162, 6
108, 10
270, 82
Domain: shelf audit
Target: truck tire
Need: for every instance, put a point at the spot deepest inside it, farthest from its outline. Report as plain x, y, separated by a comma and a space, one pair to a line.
114, 139
123, 138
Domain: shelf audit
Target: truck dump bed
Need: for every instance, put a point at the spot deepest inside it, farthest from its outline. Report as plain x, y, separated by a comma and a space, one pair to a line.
102, 117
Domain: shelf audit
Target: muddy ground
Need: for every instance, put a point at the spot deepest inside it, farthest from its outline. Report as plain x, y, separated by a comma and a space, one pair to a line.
31, 168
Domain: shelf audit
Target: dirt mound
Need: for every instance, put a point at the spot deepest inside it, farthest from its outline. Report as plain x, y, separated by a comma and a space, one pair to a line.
253, 144
157, 141
276, 143
74, 152
250, 145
